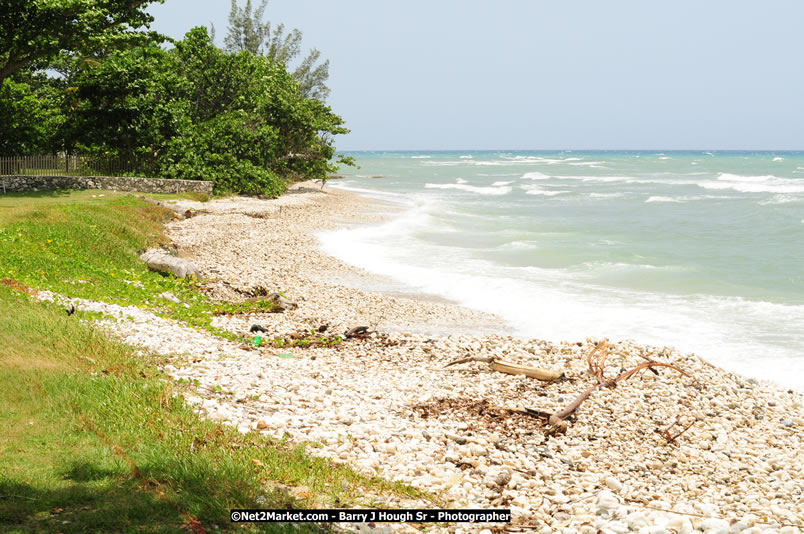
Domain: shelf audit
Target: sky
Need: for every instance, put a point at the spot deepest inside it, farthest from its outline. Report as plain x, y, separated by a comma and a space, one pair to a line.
542, 75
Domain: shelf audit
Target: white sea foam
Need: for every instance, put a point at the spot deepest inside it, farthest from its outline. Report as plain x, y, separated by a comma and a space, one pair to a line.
664, 199
420, 157
782, 199
460, 181
501, 182
606, 195
536, 190
778, 159
535, 176
472, 189
554, 305
755, 184
520, 245
466, 157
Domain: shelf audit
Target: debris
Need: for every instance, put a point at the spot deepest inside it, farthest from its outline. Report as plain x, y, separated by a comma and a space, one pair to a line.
281, 303
358, 331
159, 260
558, 421
167, 295
672, 437
257, 328
179, 212
510, 368
71, 310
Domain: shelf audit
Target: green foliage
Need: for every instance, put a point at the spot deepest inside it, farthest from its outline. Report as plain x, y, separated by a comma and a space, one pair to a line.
36, 31
87, 247
97, 439
24, 120
196, 112
247, 32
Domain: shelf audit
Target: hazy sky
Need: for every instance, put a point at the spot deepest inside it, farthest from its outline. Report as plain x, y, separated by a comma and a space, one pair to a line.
534, 74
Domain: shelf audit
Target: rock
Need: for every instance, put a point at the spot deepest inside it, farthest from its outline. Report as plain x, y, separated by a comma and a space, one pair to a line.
614, 484
606, 501
261, 424
503, 478
159, 260
167, 295
460, 440
714, 524
281, 303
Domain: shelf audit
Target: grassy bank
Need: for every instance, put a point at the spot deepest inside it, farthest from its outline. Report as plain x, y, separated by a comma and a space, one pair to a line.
85, 244
95, 438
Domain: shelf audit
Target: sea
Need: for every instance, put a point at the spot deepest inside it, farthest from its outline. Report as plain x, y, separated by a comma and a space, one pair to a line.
702, 251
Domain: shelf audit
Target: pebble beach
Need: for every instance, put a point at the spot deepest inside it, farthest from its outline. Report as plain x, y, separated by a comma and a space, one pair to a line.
661, 452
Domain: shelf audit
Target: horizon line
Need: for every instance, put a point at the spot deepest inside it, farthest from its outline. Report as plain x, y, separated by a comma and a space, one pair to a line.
732, 150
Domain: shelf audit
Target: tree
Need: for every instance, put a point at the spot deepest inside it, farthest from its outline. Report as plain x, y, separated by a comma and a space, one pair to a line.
248, 32
197, 112
35, 31
26, 120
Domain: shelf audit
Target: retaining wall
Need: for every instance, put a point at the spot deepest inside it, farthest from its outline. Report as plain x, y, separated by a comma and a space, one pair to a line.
16, 183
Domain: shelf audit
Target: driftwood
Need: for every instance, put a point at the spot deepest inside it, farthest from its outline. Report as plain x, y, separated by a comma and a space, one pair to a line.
180, 213
671, 438
159, 260
512, 368
356, 332
558, 421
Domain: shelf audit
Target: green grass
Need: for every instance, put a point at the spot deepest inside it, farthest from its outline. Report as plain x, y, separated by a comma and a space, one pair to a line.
81, 244
95, 438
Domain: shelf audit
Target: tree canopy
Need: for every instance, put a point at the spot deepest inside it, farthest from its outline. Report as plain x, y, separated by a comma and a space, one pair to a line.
194, 112
197, 111
36, 31
248, 32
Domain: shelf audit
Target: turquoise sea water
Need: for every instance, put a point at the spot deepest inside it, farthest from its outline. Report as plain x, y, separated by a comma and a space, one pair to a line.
698, 250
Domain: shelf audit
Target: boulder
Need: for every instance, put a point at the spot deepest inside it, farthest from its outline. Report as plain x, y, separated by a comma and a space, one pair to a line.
159, 260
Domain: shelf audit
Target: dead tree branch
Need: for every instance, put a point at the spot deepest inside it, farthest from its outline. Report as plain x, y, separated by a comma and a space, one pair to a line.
557, 423
511, 368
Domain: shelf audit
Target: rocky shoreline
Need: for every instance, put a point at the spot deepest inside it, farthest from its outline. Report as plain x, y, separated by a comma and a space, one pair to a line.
387, 405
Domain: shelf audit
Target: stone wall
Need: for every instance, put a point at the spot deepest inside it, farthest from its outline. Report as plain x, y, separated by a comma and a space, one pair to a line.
14, 183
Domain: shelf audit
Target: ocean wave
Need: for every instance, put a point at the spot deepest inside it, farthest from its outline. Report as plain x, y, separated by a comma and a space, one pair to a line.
420, 157
502, 182
606, 195
535, 176
778, 159
619, 266
536, 190
519, 245
472, 189
755, 184
466, 157
663, 199
460, 181
781, 199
